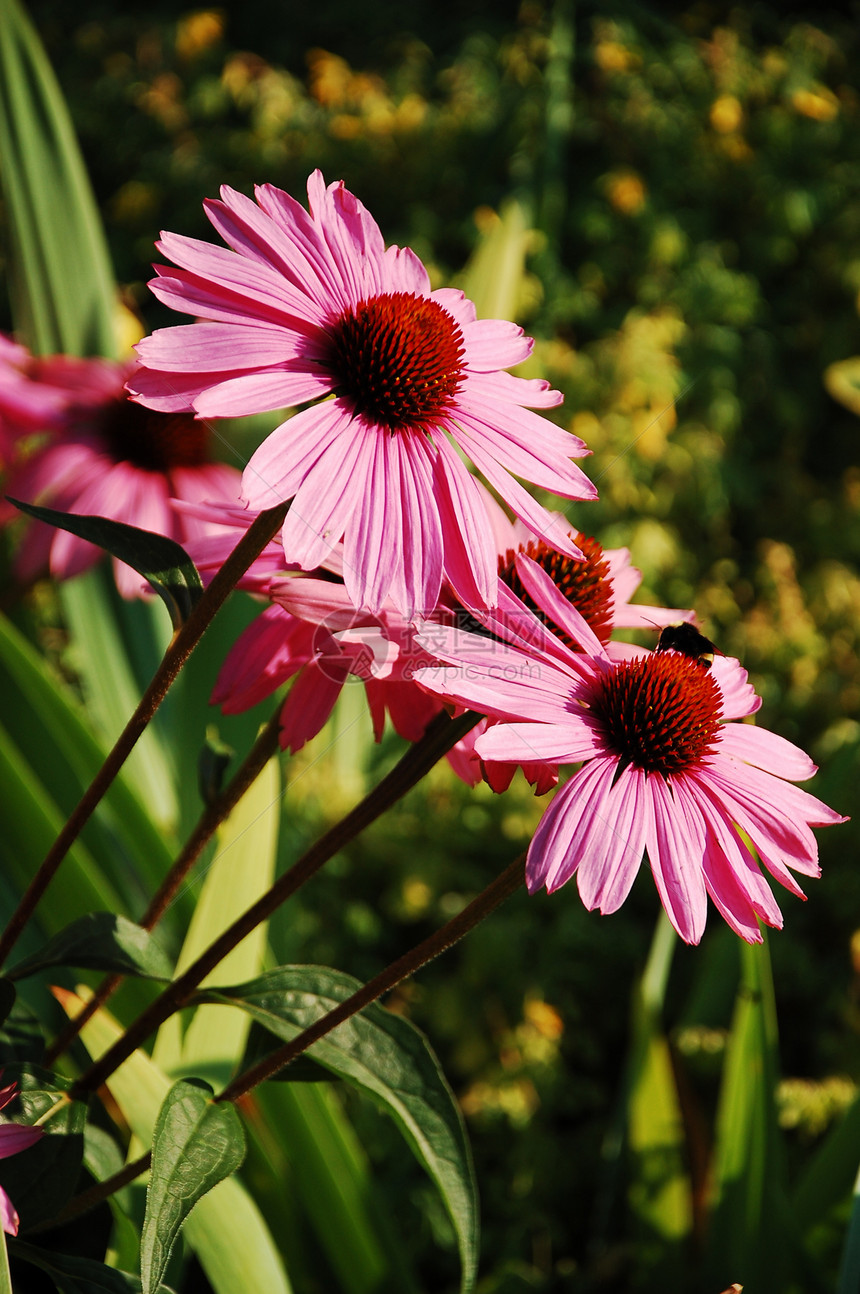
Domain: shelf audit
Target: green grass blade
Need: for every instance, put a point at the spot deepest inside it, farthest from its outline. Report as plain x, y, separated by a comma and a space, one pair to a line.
64, 293
659, 1193
751, 1237
47, 725
243, 869
111, 690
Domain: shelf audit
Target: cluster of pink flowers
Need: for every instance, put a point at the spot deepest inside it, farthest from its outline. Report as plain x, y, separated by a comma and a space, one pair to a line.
397, 566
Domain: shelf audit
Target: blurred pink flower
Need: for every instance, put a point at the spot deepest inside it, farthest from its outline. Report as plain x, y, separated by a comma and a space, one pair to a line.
307, 305
25, 405
14, 1137
664, 769
106, 456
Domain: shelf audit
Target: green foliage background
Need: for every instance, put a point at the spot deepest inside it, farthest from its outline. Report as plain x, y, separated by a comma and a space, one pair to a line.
691, 184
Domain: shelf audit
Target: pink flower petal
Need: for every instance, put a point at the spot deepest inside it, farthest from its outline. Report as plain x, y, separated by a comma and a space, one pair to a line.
470, 553
277, 469
310, 701
555, 743
675, 841
491, 344
766, 750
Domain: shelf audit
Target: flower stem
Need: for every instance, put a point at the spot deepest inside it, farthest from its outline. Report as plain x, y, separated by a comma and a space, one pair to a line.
449, 934
211, 818
442, 733
489, 899
252, 543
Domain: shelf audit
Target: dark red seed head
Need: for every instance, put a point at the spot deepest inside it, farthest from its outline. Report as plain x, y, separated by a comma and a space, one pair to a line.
398, 358
660, 713
586, 584
154, 441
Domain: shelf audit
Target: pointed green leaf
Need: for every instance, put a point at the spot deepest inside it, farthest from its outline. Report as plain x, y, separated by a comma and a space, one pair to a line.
827, 1178
195, 1145
43, 1178
751, 1230
79, 1275
55, 735
161, 561
849, 1270
659, 1187
64, 293
100, 941
386, 1056
226, 1229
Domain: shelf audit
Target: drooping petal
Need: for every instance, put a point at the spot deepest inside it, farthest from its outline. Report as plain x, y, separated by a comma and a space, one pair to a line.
675, 841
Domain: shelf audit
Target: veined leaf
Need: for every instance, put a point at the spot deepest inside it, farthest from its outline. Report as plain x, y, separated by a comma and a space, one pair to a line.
43, 1178
161, 561
195, 1145
386, 1056
79, 1275
100, 941
226, 1229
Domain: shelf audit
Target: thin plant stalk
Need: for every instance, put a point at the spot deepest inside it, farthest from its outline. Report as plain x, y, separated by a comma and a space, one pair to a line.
252, 543
211, 818
441, 735
439, 942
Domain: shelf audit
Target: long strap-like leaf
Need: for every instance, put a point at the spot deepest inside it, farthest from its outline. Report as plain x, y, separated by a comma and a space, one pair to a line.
62, 283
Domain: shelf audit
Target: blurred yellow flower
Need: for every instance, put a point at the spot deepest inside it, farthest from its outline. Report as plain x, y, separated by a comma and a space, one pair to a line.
726, 114
197, 32
626, 192
818, 103
612, 56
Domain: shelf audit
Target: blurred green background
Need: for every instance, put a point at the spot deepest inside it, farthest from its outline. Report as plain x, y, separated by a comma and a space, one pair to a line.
679, 194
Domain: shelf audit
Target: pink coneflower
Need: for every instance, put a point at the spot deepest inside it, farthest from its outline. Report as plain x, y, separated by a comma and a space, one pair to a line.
307, 305
664, 770
598, 586
104, 455
14, 1137
25, 405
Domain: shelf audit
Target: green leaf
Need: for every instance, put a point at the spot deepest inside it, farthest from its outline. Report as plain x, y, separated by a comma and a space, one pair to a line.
827, 1178
386, 1056
659, 1187
43, 1178
64, 293
849, 1270
195, 1145
226, 1230
100, 941
79, 1275
50, 729
842, 380
161, 561
751, 1230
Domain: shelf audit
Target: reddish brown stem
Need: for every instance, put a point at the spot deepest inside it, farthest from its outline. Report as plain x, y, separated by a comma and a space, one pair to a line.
252, 543
211, 818
489, 899
442, 733
449, 934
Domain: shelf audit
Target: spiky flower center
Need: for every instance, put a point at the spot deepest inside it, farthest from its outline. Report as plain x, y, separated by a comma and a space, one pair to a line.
154, 441
398, 358
660, 713
586, 584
